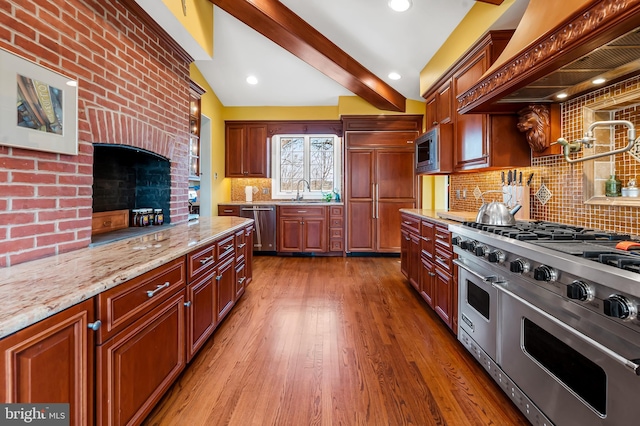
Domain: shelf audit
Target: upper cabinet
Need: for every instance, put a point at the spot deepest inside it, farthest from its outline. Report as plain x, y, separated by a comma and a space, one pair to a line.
195, 117
246, 150
480, 141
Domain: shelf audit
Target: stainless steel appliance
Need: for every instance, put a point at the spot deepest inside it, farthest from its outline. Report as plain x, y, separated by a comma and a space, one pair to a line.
562, 303
264, 239
429, 157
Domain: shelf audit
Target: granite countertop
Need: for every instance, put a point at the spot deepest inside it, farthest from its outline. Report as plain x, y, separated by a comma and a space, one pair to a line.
32, 291
442, 216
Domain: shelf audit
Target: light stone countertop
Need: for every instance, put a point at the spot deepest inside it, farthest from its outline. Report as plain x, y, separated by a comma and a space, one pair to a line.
284, 203
35, 290
429, 214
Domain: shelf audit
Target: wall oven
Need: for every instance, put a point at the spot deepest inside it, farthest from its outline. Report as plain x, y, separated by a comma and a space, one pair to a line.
434, 150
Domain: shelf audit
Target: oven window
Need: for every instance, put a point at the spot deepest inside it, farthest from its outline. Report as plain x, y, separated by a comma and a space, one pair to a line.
587, 379
478, 299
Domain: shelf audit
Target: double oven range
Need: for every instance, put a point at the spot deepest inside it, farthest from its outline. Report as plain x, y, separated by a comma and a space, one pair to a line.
551, 312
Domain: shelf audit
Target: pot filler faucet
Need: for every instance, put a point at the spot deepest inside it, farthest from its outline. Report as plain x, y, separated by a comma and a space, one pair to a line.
588, 140
298, 196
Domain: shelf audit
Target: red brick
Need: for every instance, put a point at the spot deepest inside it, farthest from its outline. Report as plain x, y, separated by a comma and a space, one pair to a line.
75, 180
35, 178
33, 203
38, 253
57, 238
3, 233
13, 163
49, 215
13, 246
75, 202
31, 230
3, 205
57, 191
56, 166
74, 224
17, 190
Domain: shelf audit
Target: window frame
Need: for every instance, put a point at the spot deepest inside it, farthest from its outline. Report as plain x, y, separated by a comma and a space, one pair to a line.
276, 193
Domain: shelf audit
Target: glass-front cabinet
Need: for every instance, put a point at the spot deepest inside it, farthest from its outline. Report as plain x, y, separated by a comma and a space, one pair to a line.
194, 130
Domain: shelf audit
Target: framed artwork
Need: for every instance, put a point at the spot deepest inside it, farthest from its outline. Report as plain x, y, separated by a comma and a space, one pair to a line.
38, 107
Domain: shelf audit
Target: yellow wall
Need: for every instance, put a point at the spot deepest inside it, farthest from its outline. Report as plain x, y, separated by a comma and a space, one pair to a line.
199, 20
212, 107
471, 28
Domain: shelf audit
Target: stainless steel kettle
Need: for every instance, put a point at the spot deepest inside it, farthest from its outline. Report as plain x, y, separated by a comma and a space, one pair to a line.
496, 213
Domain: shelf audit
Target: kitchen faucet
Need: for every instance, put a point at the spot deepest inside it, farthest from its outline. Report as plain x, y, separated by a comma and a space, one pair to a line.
298, 196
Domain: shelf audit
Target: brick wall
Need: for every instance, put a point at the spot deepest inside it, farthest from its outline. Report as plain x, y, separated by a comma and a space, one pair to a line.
132, 90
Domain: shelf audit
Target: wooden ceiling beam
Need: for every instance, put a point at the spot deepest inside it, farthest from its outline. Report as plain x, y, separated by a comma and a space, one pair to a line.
496, 2
280, 25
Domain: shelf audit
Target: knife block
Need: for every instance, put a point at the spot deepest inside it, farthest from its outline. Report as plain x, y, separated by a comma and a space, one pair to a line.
518, 194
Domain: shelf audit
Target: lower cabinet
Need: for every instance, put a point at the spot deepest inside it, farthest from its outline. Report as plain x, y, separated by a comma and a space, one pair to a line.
52, 362
426, 260
202, 317
226, 289
302, 229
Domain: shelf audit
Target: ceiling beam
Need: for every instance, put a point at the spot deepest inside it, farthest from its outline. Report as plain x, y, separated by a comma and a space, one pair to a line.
280, 25
496, 2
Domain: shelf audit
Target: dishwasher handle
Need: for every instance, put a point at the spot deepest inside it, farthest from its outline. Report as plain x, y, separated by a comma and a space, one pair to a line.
257, 209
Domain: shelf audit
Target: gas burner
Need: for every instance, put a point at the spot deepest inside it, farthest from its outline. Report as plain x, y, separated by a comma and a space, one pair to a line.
541, 230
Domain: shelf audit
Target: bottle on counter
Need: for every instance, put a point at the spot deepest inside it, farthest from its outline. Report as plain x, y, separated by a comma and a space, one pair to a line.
158, 218
613, 187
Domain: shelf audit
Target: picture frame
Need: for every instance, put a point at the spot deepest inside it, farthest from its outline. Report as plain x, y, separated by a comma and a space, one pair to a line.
38, 106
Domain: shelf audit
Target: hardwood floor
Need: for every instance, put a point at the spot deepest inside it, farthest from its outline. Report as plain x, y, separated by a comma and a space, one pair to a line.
333, 341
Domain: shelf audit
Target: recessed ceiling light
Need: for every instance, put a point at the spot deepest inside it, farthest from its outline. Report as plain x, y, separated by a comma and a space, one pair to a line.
399, 5
599, 81
394, 76
561, 95
252, 79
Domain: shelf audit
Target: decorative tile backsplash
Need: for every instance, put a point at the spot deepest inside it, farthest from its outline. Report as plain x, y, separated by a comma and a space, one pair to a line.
566, 182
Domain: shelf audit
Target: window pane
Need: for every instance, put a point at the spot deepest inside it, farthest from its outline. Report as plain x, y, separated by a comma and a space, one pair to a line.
321, 164
291, 162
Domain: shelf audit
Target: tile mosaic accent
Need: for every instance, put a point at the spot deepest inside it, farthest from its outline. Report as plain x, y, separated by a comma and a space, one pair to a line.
567, 182
543, 195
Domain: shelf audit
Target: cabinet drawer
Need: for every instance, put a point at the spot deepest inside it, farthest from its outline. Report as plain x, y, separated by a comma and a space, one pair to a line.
443, 260
201, 261
125, 303
335, 222
336, 211
109, 221
336, 245
336, 233
443, 238
226, 210
225, 248
302, 211
411, 223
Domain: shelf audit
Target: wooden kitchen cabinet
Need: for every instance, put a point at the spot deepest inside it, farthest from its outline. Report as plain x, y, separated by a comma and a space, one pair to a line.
410, 232
439, 106
247, 151
195, 121
52, 361
226, 288
336, 229
228, 210
302, 229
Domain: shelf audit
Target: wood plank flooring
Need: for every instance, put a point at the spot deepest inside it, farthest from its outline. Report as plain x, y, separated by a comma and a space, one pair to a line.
333, 341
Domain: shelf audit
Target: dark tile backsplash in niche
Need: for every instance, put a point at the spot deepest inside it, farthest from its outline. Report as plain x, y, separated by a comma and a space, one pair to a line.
130, 178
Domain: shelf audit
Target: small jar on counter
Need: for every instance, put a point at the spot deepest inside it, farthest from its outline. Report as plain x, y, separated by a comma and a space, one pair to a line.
158, 217
144, 217
152, 217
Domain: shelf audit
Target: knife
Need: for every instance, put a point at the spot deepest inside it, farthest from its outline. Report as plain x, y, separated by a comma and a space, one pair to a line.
520, 179
515, 176
509, 179
502, 178
530, 179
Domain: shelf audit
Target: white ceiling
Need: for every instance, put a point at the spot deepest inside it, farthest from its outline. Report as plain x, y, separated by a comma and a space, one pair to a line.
380, 39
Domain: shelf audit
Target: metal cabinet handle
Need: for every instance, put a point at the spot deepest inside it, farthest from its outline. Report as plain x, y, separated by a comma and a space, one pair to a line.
426, 239
228, 211
441, 259
218, 277
187, 304
407, 222
442, 237
159, 287
95, 326
229, 247
106, 223
431, 274
206, 260
241, 280
489, 279
302, 211
377, 201
242, 245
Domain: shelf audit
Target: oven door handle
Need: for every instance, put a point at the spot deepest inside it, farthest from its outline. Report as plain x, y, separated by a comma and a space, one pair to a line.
489, 279
616, 356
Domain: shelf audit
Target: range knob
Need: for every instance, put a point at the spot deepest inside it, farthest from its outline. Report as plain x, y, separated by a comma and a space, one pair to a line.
544, 273
618, 306
496, 256
519, 266
471, 246
480, 250
464, 244
456, 240
579, 290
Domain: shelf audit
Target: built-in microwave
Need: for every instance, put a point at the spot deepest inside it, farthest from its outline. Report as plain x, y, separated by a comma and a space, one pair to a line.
434, 150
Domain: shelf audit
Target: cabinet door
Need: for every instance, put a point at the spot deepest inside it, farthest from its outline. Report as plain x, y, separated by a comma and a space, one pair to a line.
201, 313
249, 254
241, 280
256, 161
52, 362
314, 235
290, 234
226, 289
405, 243
414, 260
394, 190
445, 103
472, 144
137, 365
431, 111
427, 281
235, 136
443, 296
360, 201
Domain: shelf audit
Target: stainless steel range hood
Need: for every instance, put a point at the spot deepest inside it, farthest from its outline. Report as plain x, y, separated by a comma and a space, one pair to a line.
560, 47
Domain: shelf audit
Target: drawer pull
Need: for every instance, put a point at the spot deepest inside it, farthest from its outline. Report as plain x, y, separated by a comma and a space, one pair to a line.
187, 304
241, 280
302, 211
95, 326
206, 260
228, 211
426, 239
407, 222
242, 245
218, 277
431, 274
159, 287
229, 247
442, 237
106, 223
442, 261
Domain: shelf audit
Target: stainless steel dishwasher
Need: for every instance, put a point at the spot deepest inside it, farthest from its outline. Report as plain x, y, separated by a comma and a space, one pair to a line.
265, 226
